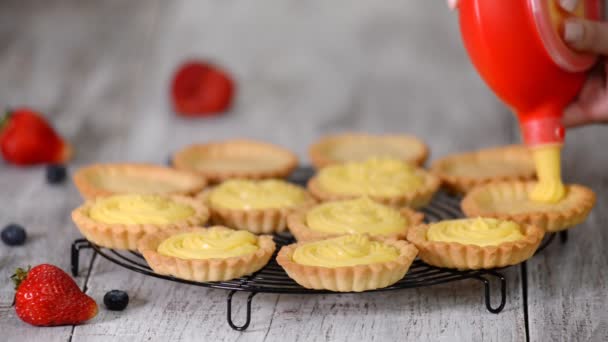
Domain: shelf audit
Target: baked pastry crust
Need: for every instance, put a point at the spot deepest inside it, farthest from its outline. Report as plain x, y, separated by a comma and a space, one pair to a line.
257, 221
473, 257
126, 236
203, 270
300, 230
514, 162
572, 210
349, 278
417, 198
321, 151
185, 183
248, 159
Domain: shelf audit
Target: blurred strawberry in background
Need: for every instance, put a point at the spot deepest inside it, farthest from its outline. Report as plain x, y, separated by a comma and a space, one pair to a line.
201, 89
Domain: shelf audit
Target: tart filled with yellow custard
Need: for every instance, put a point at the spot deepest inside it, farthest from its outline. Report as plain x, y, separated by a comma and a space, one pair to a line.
389, 181
207, 254
239, 158
476, 243
460, 173
258, 206
342, 148
120, 221
350, 263
101, 180
356, 216
512, 201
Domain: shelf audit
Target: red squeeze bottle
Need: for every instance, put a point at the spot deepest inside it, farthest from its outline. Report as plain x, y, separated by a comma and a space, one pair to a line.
517, 48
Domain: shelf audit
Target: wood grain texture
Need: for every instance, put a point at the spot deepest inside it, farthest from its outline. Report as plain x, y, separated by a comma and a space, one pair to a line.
101, 69
568, 283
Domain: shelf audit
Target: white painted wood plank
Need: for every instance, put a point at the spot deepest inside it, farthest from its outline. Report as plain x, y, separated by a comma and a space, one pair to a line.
55, 58
568, 283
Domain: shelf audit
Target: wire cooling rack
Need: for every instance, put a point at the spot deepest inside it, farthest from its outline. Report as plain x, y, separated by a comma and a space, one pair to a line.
273, 279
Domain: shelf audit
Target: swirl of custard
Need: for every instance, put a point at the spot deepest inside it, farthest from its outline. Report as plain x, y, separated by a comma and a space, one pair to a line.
480, 231
246, 194
139, 209
361, 215
374, 177
214, 243
549, 188
348, 250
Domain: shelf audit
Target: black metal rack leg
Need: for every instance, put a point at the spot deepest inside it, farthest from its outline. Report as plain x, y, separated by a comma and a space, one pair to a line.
77, 245
247, 314
563, 236
487, 292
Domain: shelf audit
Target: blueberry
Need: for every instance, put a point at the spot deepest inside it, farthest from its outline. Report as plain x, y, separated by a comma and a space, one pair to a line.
13, 235
116, 300
55, 174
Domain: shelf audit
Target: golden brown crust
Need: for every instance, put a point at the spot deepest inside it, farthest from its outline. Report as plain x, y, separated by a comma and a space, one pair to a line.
89, 190
415, 199
320, 159
287, 160
552, 221
352, 278
204, 270
472, 257
257, 221
300, 230
459, 184
126, 236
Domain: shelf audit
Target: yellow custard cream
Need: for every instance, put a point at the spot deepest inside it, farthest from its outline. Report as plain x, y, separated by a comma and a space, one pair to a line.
361, 215
139, 209
348, 250
480, 231
374, 177
550, 188
216, 243
245, 194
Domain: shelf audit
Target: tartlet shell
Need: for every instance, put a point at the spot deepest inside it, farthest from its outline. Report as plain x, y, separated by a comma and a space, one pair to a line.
352, 278
462, 184
126, 236
181, 159
319, 158
296, 222
551, 221
89, 190
257, 221
472, 257
414, 199
204, 270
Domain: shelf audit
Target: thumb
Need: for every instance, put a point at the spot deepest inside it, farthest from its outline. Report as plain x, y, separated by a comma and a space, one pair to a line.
587, 35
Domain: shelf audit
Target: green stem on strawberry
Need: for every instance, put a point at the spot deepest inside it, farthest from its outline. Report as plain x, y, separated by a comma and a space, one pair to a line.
5, 118
20, 275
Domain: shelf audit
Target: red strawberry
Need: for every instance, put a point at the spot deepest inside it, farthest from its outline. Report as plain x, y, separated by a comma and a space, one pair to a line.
26, 139
201, 89
47, 296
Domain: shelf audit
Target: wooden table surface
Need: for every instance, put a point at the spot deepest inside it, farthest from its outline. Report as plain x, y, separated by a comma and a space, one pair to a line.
100, 70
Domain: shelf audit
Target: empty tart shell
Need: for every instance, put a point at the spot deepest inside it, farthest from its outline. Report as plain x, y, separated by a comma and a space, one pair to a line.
459, 173
509, 201
349, 278
473, 257
101, 180
126, 236
257, 221
246, 159
417, 198
347, 147
203, 270
300, 230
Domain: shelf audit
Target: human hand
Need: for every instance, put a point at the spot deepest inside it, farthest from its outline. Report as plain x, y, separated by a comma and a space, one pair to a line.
591, 105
